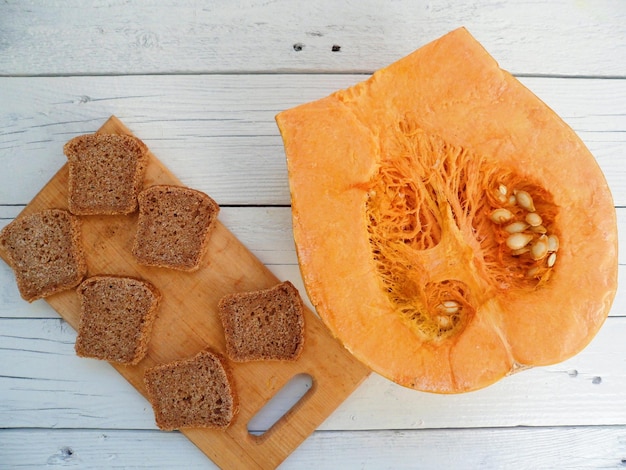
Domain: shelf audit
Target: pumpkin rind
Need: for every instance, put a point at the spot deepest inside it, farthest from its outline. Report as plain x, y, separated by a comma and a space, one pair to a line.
451, 97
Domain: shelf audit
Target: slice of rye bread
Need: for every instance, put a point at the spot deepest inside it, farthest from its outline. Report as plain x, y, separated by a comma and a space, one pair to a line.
106, 173
116, 318
45, 252
173, 227
266, 324
196, 392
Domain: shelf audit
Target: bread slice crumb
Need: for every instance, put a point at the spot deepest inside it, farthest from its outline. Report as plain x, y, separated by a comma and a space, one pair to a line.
174, 226
117, 314
196, 392
266, 324
106, 173
45, 252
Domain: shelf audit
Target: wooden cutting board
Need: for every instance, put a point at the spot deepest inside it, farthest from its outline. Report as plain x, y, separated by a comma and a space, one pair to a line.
188, 322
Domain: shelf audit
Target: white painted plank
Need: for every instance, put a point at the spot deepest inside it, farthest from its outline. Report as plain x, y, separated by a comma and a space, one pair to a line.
45, 385
562, 37
519, 448
586, 387
217, 133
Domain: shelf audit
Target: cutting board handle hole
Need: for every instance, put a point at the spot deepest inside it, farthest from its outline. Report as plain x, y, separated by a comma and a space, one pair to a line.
280, 405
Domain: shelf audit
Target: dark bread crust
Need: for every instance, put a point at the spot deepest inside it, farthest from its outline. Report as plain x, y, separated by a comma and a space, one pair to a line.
106, 173
174, 226
117, 314
196, 392
46, 253
266, 324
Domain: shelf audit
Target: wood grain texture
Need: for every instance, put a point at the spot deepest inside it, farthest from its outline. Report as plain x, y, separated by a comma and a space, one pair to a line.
490, 449
188, 322
46, 386
243, 36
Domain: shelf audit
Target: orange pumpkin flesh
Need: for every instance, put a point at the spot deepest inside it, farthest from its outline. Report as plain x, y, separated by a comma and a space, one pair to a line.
402, 187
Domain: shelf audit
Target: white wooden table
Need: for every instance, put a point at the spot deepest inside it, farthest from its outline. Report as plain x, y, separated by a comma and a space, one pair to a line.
200, 83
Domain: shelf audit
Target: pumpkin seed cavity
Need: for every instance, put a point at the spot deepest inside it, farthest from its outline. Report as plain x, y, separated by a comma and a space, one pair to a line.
424, 183
527, 236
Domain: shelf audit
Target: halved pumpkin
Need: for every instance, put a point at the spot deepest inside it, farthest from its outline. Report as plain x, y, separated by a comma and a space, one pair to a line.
450, 227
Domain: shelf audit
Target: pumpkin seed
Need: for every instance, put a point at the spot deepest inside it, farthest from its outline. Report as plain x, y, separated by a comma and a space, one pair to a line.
503, 190
500, 196
533, 219
525, 200
449, 306
517, 241
551, 260
499, 216
444, 321
553, 243
532, 272
539, 249
521, 251
539, 229
516, 227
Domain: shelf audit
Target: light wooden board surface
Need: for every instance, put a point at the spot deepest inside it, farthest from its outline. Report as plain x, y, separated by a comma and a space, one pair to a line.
201, 83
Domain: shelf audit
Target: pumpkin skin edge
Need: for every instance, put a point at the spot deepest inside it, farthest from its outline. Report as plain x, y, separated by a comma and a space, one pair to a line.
333, 151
